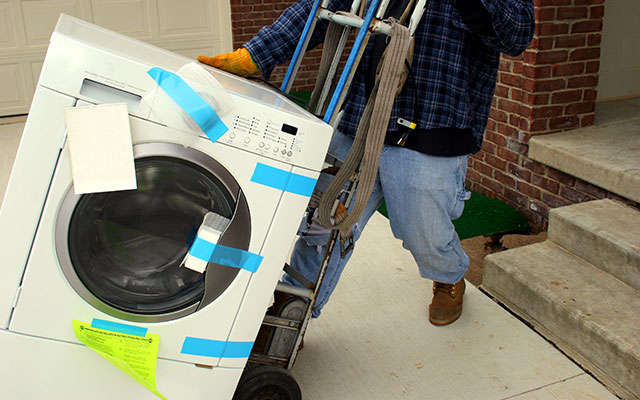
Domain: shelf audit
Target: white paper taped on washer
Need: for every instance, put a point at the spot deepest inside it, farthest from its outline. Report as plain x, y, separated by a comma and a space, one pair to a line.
212, 227
100, 148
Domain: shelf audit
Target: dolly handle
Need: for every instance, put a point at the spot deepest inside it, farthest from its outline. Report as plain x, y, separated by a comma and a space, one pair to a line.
301, 47
351, 61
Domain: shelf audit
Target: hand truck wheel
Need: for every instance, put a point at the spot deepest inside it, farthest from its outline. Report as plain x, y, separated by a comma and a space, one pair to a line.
267, 382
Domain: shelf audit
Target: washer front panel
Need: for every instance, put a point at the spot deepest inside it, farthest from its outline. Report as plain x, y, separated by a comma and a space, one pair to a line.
122, 251
48, 302
27, 190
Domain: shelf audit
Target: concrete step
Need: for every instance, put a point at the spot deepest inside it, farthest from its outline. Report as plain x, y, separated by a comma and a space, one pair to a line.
585, 311
604, 155
606, 233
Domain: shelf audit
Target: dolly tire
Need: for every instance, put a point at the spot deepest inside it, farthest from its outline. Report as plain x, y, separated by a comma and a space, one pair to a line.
267, 382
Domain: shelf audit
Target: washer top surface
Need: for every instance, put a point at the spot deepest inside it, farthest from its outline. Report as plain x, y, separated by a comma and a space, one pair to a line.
99, 66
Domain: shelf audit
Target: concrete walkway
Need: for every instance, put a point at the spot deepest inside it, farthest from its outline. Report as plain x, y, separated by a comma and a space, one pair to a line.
373, 340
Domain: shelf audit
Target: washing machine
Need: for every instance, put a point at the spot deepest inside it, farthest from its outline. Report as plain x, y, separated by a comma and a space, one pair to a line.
114, 258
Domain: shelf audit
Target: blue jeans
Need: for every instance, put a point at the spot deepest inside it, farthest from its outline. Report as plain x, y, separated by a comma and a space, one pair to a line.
423, 195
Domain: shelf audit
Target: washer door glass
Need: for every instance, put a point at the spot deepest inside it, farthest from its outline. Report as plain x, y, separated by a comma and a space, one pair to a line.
127, 247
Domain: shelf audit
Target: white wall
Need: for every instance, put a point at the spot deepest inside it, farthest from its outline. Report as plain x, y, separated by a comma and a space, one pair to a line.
620, 50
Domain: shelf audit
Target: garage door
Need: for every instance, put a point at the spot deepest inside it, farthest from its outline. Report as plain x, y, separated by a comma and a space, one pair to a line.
189, 28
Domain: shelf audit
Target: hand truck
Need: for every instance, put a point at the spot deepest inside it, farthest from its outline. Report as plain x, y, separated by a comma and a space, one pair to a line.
267, 374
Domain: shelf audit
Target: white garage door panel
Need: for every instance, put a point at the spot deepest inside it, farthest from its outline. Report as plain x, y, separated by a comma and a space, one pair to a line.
175, 22
14, 95
7, 35
129, 17
189, 28
40, 17
35, 68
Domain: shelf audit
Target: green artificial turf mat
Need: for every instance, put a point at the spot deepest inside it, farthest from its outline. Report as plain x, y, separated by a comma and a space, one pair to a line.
484, 216
304, 96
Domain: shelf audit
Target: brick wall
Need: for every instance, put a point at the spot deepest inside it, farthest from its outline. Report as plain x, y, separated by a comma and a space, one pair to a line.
549, 88
248, 16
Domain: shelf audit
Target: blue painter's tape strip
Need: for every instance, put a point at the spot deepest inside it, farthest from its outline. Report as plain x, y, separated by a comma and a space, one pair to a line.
283, 180
118, 327
302, 185
191, 102
270, 176
216, 348
224, 255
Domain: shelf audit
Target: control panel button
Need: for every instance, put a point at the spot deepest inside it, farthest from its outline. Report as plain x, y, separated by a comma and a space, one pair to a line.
247, 140
284, 152
290, 153
232, 135
261, 145
267, 146
275, 149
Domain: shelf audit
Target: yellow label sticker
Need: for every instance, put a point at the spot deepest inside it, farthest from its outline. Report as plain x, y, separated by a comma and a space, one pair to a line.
136, 356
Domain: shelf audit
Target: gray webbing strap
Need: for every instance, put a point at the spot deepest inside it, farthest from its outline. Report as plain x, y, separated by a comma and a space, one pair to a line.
364, 156
332, 37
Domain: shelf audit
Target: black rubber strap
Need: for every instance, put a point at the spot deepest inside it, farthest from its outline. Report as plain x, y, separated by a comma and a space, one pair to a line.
395, 9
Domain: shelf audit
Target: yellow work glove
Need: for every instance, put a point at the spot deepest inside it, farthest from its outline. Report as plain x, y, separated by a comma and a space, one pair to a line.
237, 62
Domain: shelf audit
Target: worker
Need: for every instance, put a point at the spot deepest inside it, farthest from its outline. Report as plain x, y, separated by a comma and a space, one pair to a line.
422, 171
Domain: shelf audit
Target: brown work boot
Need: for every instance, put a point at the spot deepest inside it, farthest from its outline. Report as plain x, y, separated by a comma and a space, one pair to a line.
446, 305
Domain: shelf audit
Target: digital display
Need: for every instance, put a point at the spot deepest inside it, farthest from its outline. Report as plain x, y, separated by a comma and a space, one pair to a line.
291, 130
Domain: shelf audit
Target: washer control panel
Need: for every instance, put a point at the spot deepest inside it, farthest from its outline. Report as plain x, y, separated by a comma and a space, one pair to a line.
267, 136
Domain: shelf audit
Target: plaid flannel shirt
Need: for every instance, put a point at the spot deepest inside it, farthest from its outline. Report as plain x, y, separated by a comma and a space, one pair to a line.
455, 62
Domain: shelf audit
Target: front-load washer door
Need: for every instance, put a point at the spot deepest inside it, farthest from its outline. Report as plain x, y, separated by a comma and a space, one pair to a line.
123, 251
